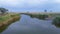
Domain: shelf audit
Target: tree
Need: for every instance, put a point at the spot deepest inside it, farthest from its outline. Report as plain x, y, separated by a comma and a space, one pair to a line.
3, 10
45, 10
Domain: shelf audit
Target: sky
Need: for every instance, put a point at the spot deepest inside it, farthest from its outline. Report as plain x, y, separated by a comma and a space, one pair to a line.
31, 5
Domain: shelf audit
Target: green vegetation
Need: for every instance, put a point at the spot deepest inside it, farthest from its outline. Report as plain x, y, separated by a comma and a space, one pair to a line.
56, 22
40, 16
7, 19
3, 10
3, 18
8, 16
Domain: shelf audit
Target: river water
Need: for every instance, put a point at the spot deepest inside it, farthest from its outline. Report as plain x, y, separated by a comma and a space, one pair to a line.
28, 25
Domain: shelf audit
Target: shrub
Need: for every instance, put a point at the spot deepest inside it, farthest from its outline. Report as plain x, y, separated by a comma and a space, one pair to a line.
56, 21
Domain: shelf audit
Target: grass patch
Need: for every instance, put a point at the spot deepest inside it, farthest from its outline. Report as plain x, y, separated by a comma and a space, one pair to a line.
8, 16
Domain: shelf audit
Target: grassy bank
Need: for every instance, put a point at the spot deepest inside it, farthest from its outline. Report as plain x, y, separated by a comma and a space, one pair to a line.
39, 16
8, 19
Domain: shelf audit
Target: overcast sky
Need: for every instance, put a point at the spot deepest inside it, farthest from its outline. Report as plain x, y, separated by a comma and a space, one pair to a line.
31, 5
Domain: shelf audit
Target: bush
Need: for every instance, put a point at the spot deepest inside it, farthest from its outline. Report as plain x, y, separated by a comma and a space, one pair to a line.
56, 21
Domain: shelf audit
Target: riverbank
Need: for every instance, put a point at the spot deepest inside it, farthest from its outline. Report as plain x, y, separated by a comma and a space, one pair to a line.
8, 19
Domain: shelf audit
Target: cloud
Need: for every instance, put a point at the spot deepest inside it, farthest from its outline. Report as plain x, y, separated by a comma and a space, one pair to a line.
57, 1
8, 2
30, 4
35, 2
21, 2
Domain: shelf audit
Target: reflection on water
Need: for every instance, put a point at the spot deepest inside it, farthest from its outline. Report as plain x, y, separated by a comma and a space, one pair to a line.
28, 25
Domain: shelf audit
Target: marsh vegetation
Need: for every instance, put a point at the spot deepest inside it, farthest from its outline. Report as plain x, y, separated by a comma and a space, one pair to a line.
39, 16
56, 22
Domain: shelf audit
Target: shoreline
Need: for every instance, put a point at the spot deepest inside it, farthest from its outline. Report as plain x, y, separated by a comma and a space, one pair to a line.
6, 23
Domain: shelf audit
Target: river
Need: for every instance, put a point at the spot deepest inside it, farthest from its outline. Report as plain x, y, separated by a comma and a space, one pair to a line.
28, 25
